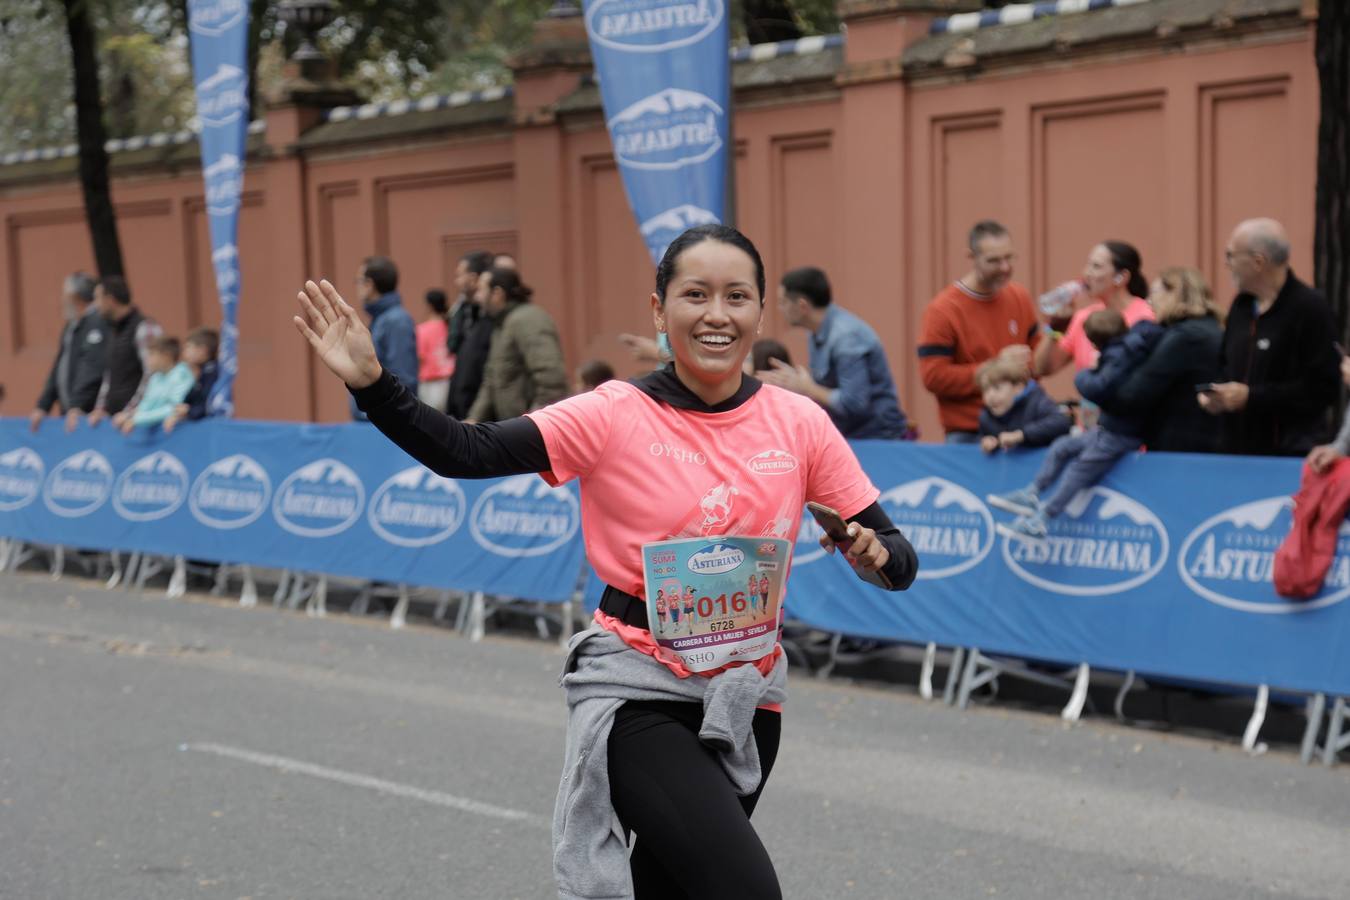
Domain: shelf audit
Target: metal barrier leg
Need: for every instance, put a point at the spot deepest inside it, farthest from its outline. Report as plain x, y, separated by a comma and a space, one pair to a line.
1120, 695
318, 603
568, 623
1073, 710
968, 678
926, 672
442, 604
1258, 719
178, 580
58, 562
541, 622
399, 617
132, 572
1312, 711
477, 623
248, 594
833, 658
283, 588
4, 554
953, 675
298, 590
1335, 742
222, 580
116, 577
362, 604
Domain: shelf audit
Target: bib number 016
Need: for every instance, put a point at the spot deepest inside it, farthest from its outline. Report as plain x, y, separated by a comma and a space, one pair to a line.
708, 607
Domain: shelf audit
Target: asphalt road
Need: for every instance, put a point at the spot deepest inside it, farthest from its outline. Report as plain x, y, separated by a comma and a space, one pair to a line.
179, 749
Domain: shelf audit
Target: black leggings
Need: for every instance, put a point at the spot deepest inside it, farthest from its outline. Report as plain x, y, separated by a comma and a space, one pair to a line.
694, 837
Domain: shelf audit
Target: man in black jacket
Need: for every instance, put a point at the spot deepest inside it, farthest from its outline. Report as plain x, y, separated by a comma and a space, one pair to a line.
471, 360
1278, 355
129, 334
77, 371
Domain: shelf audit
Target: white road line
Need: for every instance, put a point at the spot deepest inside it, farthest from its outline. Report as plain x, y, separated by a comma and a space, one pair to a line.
355, 779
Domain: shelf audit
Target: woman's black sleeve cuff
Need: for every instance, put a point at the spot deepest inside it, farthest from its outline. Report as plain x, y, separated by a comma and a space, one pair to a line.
903, 565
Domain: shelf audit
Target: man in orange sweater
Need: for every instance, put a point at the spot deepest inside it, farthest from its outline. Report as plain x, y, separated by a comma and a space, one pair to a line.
981, 315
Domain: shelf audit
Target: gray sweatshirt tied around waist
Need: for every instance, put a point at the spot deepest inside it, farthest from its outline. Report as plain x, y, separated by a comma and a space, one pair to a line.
590, 855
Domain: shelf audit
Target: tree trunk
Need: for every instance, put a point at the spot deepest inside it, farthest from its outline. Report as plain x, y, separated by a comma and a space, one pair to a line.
92, 135
1331, 249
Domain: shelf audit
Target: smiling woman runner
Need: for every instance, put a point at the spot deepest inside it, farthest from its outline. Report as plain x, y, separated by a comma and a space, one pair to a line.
671, 733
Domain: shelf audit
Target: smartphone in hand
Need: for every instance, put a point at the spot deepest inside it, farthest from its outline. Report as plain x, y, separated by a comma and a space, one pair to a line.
1206, 388
834, 525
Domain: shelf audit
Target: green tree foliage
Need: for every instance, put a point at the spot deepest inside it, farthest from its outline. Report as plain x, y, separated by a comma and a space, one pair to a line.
384, 49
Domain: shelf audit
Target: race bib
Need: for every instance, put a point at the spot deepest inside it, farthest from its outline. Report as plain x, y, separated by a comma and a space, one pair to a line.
714, 601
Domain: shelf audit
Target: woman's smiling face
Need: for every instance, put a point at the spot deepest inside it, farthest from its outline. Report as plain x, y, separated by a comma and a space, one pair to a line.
711, 313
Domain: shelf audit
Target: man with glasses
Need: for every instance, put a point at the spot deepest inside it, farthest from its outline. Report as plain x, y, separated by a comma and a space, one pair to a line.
1279, 361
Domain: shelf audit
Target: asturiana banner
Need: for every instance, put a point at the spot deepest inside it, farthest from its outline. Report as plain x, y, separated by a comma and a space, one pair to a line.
219, 36
665, 76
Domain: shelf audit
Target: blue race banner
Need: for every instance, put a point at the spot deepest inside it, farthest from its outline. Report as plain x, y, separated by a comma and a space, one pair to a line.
1163, 568
218, 31
338, 499
665, 82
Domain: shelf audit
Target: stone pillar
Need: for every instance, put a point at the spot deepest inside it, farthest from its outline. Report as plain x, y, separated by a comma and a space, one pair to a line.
875, 168
549, 69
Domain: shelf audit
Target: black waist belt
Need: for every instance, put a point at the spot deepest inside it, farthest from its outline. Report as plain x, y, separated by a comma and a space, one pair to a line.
624, 607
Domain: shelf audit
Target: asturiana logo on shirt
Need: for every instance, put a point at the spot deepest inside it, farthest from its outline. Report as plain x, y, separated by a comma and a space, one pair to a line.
773, 462
648, 26
152, 488
1104, 542
417, 507
950, 527
523, 516
230, 493
320, 499
79, 485
21, 474
1229, 559
715, 559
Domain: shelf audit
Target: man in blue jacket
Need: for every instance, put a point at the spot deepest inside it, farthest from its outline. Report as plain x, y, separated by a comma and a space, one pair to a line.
391, 327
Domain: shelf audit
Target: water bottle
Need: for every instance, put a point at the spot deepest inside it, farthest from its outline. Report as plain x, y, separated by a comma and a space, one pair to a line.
1057, 303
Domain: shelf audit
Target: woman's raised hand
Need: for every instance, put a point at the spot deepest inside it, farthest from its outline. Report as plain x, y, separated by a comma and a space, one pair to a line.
337, 334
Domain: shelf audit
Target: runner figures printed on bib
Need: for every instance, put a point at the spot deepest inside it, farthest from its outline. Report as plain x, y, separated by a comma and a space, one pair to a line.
722, 596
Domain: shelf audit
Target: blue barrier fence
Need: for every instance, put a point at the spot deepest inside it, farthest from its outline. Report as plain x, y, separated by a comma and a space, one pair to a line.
1165, 568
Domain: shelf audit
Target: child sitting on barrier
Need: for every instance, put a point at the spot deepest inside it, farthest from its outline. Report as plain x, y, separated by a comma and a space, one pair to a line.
170, 380
1084, 458
1017, 411
199, 352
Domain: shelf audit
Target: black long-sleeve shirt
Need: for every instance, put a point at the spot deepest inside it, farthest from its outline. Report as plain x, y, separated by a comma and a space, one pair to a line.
452, 449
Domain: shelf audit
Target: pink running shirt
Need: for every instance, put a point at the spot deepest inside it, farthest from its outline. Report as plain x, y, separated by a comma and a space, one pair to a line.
1075, 341
650, 472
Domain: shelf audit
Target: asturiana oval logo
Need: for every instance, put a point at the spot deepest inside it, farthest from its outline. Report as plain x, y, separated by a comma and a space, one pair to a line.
523, 516
670, 129
21, 474
214, 17
223, 97
79, 485
416, 508
648, 26
224, 182
152, 488
950, 527
320, 499
1102, 543
1229, 559
772, 462
230, 493
661, 229
715, 559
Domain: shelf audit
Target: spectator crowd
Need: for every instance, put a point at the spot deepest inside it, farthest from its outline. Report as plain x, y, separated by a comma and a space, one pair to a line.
1157, 365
